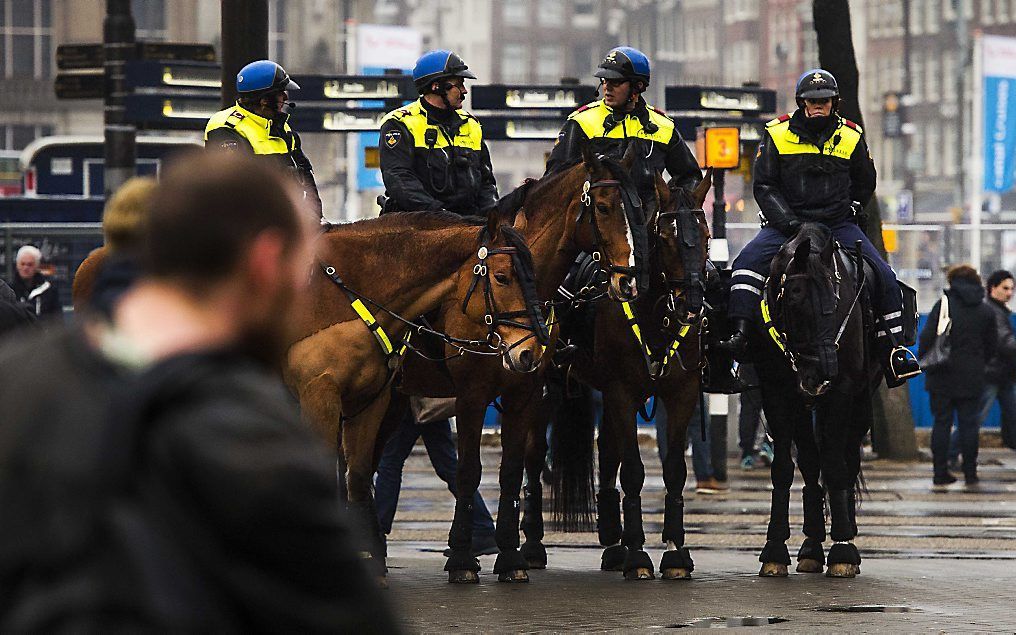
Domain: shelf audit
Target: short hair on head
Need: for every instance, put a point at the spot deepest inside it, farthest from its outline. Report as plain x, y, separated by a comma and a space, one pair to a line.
207, 210
129, 205
997, 277
29, 250
964, 271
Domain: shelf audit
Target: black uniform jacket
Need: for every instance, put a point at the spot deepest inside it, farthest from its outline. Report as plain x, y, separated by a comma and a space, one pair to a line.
801, 176
607, 132
435, 158
239, 129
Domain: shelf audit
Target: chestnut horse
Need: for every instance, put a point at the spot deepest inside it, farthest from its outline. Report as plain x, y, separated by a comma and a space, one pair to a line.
647, 348
403, 264
588, 207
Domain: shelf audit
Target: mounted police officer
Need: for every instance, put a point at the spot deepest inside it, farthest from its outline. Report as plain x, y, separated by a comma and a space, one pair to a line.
813, 166
432, 152
608, 125
258, 124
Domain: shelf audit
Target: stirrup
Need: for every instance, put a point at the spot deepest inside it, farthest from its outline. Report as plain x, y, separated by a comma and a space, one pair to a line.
905, 356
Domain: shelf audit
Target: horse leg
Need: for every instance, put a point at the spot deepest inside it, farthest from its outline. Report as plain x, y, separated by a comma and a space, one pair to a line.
608, 499
511, 565
533, 549
461, 566
359, 436
834, 415
781, 407
677, 563
637, 563
811, 557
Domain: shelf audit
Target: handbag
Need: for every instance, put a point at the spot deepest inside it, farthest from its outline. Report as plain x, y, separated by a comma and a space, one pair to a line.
938, 354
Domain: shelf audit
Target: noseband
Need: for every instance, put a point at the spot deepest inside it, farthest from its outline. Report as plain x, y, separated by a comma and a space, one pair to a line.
495, 318
586, 210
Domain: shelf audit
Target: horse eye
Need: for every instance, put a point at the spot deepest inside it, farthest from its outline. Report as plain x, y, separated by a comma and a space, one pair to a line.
602, 208
501, 279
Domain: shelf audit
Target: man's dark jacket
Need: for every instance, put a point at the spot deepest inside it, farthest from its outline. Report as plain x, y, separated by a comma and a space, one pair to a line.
45, 304
973, 341
420, 175
798, 185
187, 498
674, 156
1001, 369
12, 313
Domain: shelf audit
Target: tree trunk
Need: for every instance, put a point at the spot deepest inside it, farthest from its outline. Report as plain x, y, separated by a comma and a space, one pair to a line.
893, 433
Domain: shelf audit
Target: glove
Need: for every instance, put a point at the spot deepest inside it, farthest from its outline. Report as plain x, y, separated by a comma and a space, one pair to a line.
788, 227
860, 217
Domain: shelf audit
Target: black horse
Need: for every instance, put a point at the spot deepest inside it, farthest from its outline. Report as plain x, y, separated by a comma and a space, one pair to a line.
817, 372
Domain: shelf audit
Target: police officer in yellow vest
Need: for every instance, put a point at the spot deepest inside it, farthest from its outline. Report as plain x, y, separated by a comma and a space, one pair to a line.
259, 124
813, 166
432, 152
607, 125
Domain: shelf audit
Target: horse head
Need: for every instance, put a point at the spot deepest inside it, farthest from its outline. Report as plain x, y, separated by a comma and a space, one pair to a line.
681, 237
499, 290
804, 291
609, 205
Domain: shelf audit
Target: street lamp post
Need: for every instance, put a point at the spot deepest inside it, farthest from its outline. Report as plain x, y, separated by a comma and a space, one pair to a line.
119, 135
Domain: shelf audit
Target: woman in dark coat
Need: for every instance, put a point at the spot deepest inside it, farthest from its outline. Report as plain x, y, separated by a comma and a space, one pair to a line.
956, 387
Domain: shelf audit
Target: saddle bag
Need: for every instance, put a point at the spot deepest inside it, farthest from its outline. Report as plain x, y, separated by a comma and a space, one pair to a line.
910, 316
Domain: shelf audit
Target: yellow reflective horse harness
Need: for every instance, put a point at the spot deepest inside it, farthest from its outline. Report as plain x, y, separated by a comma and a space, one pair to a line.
657, 365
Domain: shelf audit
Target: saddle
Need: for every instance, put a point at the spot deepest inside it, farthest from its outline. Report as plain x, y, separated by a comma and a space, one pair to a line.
874, 282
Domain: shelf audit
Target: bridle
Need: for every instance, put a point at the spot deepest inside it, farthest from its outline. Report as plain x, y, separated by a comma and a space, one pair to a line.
826, 305
586, 211
494, 317
691, 285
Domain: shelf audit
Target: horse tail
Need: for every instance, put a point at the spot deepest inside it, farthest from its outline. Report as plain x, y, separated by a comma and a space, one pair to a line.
571, 457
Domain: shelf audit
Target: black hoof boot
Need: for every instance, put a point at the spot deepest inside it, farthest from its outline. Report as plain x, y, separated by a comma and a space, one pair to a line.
535, 554
811, 557
462, 568
775, 559
511, 566
638, 566
844, 561
613, 558
676, 564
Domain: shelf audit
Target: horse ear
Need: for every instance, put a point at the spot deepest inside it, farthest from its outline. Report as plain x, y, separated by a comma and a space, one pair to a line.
801, 253
589, 157
827, 251
699, 195
630, 155
493, 223
520, 221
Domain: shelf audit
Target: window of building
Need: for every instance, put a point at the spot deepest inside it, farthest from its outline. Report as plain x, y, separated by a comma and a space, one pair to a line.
149, 20
26, 39
931, 75
917, 78
584, 7
933, 152
16, 137
515, 64
948, 157
987, 11
278, 30
917, 17
550, 12
1001, 11
551, 64
515, 12
932, 16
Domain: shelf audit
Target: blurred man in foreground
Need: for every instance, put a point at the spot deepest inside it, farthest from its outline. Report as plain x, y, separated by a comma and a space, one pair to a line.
154, 473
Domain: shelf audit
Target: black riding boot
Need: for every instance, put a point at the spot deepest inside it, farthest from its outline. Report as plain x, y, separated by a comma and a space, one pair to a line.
738, 341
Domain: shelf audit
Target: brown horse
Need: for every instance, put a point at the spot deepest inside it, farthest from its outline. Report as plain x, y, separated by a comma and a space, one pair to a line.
647, 348
585, 208
409, 264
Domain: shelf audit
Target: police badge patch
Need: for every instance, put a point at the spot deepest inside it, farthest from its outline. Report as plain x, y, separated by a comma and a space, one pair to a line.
392, 138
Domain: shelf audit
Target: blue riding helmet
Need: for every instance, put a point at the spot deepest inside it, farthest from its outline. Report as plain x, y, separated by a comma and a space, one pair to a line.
437, 64
624, 62
263, 76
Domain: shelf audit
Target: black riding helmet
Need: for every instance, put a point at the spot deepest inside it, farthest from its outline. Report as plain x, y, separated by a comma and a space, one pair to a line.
816, 84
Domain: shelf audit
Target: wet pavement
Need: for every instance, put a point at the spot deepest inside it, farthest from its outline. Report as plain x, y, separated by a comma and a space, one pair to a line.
931, 562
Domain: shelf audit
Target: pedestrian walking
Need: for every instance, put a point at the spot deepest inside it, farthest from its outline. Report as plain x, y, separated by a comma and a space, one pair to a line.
957, 348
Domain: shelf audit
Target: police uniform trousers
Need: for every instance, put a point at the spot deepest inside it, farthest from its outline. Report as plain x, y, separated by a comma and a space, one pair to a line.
751, 268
